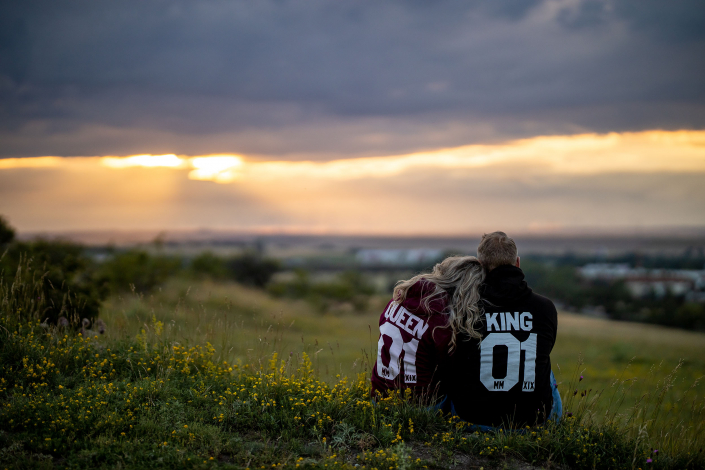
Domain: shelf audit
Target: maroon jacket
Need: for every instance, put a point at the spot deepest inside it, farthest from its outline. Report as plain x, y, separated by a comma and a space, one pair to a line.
413, 344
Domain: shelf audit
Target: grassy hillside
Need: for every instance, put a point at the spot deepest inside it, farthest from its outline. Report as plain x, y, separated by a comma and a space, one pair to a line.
643, 356
246, 324
220, 375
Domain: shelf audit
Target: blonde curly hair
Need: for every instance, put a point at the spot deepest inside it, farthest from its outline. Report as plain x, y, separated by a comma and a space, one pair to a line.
464, 274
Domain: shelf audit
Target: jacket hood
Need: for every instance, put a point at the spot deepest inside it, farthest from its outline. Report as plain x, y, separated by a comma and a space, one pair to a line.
505, 284
418, 292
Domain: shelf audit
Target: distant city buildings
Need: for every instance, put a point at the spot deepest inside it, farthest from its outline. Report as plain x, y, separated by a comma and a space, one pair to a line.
642, 282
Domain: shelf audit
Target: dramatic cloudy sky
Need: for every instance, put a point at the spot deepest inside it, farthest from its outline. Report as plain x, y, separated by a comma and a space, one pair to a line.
364, 116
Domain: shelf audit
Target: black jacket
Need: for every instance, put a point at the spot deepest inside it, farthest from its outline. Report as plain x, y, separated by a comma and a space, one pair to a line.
505, 379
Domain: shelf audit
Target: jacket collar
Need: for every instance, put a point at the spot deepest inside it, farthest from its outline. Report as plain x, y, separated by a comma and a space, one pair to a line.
505, 284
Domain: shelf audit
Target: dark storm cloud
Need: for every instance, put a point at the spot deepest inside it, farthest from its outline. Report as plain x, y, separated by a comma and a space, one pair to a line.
331, 78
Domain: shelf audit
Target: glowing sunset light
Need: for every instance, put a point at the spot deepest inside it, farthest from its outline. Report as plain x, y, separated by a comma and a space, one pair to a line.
640, 152
146, 161
651, 178
34, 162
218, 168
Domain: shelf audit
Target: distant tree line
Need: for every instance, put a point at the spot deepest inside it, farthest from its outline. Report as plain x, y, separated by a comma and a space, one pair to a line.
75, 281
692, 257
558, 278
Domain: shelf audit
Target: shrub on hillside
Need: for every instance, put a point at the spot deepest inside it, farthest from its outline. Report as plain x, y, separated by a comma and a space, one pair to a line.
690, 316
348, 287
297, 288
136, 270
7, 233
209, 265
249, 268
64, 275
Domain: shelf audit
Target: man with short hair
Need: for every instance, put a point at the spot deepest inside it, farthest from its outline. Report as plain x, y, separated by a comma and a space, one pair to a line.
505, 379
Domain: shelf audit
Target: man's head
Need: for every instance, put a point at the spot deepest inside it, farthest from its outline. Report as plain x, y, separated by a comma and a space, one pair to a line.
497, 249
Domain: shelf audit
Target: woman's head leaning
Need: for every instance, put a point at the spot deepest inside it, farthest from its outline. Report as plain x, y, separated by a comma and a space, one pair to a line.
461, 276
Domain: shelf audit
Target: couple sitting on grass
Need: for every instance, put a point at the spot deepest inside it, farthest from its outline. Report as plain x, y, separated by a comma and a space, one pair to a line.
472, 339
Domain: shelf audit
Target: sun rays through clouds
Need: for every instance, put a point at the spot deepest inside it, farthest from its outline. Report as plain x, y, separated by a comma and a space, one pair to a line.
650, 178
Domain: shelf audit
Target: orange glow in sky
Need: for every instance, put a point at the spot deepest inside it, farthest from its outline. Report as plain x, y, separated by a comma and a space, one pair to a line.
218, 168
651, 178
580, 154
37, 162
651, 151
146, 161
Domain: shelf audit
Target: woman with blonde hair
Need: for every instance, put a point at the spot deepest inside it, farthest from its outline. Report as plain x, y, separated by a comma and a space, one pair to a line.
421, 325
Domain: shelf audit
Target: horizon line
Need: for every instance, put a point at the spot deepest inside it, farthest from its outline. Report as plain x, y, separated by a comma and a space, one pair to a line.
213, 233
